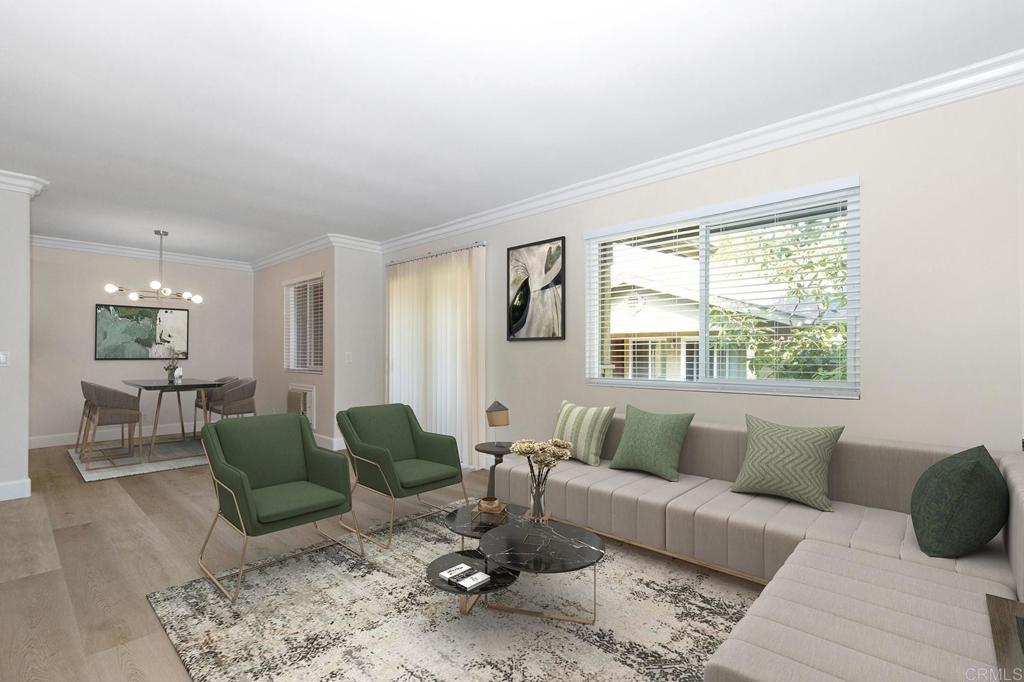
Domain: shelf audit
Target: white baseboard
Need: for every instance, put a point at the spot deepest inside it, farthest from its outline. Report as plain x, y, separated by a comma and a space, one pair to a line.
108, 433
328, 442
14, 490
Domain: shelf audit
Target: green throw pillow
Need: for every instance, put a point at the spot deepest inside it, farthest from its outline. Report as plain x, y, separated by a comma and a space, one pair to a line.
788, 461
652, 443
585, 428
959, 504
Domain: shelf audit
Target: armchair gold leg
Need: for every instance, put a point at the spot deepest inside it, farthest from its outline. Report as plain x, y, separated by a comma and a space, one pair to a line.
232, 596
361, 552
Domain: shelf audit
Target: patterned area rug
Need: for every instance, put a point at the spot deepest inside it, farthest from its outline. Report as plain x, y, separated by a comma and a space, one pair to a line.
324, 614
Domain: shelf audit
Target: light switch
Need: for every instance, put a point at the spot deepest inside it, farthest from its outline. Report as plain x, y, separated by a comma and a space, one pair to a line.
348, 356
5, 358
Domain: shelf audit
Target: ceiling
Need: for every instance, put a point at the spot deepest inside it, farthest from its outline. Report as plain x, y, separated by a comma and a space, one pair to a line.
243, 127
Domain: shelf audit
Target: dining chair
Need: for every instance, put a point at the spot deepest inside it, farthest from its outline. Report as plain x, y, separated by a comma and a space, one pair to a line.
212, 395
86, 411
270, 475
109, 407
393, 456
239, 398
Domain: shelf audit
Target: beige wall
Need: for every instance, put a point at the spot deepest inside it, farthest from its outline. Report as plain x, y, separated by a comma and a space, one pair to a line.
941, 317
66, 285
14, 338
358, 329
268, 339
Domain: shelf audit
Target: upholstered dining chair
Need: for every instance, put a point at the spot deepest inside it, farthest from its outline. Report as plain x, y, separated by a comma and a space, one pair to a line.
393, 456
238, 398
212, 395
107, 406
269, 475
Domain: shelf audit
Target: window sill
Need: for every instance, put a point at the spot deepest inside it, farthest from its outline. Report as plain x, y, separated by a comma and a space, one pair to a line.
292, 370
841, 392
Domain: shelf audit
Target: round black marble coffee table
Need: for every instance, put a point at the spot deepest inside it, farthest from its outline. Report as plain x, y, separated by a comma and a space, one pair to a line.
500, 577
467, 522
524, 546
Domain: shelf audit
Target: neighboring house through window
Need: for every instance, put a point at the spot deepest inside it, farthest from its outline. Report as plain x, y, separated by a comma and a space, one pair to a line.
759, 296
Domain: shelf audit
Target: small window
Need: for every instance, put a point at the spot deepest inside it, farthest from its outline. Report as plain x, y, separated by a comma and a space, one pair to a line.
304, 325
762, 297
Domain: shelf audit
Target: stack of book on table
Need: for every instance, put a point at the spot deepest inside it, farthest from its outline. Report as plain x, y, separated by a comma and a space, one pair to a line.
465, 577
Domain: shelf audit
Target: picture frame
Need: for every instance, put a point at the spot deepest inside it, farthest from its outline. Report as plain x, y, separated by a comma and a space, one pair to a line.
124, 332
535, 291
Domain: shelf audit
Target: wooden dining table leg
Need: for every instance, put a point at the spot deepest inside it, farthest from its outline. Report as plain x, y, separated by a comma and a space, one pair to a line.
181, 417
201, 393
156, 423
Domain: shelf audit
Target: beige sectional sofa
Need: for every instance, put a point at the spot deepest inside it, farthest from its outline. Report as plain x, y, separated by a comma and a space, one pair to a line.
849, 593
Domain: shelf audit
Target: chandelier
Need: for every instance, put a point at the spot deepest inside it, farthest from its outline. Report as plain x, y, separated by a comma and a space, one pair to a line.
157, 289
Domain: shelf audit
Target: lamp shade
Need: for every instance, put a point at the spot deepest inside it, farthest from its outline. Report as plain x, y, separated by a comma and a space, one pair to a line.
497, 414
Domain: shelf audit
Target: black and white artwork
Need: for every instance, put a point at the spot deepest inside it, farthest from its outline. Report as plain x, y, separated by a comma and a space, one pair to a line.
536, 291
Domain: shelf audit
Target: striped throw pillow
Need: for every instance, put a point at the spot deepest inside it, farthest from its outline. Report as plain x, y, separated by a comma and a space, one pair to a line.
585, 428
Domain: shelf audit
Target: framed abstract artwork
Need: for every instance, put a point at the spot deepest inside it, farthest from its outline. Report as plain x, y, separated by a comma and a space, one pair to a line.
536, 291
138, 333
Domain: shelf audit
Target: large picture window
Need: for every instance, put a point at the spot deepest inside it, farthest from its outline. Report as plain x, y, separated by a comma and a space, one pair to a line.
304, 325
757, 297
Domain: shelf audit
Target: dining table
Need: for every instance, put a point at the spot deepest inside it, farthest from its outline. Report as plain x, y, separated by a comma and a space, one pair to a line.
177, 387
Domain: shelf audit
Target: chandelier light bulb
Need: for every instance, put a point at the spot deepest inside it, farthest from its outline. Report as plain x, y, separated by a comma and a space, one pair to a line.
133, 296
166, 291
154, 285
187, 295
197, 299
110, 288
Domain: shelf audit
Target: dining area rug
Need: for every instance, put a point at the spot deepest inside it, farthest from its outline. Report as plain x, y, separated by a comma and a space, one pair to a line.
168, 455
322, 613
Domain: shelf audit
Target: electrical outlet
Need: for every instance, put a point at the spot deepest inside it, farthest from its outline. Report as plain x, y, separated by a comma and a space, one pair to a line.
5, 358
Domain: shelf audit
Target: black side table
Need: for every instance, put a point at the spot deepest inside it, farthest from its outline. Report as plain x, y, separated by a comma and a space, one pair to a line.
497, 450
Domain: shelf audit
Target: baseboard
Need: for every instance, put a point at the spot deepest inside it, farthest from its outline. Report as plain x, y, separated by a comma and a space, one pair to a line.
108, 433
328, 442
14, 490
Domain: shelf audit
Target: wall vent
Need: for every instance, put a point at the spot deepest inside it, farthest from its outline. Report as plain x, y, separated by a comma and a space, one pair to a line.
302, 400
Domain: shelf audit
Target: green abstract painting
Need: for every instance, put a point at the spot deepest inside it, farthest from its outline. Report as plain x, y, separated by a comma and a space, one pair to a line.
136, 333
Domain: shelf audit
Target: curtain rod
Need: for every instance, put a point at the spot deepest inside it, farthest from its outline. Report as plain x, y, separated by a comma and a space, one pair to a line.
432, 254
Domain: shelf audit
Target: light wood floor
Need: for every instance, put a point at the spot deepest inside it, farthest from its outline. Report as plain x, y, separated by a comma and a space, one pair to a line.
77, 560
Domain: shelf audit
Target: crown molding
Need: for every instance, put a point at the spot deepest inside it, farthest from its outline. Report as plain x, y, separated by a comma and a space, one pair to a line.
17, 182
145, 254
977, 79
325, 241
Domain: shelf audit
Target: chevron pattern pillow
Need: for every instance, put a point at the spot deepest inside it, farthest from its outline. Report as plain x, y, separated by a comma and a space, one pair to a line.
585, 428
788, 461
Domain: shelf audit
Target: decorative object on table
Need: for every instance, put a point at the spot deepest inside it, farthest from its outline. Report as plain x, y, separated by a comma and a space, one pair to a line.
173, 370
664, 617
296, 483
536, 291
959, 504
541, 457
585, 428
788, 461
158, 290
394, 457
490, 505
498, 452
138, 333
497, 416
652, 442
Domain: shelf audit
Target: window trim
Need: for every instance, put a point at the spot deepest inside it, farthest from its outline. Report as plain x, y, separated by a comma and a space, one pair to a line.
848, 390
286, 286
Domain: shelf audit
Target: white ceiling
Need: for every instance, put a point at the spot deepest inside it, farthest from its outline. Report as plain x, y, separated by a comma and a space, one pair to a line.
246, 126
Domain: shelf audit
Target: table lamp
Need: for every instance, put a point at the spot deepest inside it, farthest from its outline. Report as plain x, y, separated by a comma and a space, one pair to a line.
497, 415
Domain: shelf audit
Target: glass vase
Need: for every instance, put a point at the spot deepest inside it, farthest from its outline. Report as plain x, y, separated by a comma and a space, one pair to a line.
537, 514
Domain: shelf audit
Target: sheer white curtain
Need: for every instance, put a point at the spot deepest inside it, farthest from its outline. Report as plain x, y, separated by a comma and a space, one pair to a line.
435, 344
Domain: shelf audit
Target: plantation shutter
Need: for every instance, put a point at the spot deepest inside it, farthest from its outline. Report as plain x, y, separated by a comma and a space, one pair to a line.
304, 325
762, 298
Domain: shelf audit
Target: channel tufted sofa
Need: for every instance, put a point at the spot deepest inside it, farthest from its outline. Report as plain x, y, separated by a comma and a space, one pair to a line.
849, 594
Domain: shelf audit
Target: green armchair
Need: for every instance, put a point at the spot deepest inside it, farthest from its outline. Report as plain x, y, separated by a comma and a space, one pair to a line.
393, 456
269, 475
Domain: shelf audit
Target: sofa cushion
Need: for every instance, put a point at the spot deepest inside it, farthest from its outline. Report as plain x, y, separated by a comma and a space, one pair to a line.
788, 461
652, 443
585, 428
288, 500
959, 504
858, 615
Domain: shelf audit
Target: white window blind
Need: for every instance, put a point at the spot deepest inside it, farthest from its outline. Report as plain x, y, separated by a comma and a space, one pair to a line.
304, 325
759, 299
